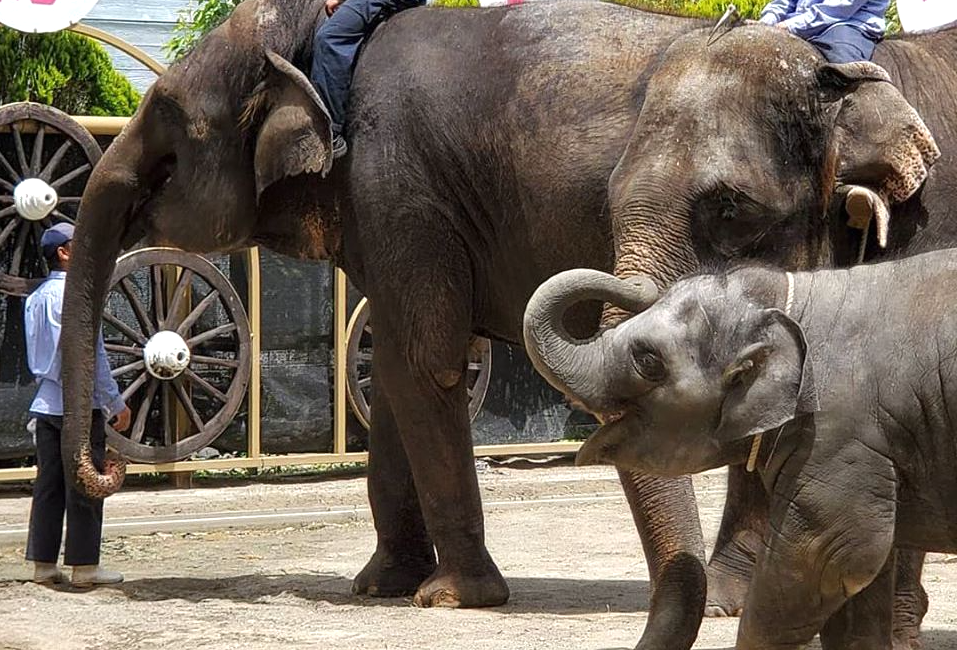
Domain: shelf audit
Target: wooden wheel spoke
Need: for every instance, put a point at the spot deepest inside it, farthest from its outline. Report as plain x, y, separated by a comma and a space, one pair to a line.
211, 334
167, 415
139, 309
135, 386
18, 250
183, 398
365, 382
159, 300
70, 199
63, 217
197, 312
21, 155
124, 329
9, 186
139, 364
139, 425
206, 386
69, 176
7, 230
179, 293
214, 361
37, 236
124, 349
7, 211
37, 158
55, 160
14, 176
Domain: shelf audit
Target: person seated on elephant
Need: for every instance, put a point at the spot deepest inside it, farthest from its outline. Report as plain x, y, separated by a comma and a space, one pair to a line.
335, 48
843, 30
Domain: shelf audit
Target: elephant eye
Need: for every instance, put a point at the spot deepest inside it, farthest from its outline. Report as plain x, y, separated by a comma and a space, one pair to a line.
649, 365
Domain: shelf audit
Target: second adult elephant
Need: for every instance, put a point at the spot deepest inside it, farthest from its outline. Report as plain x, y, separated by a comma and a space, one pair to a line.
751, 147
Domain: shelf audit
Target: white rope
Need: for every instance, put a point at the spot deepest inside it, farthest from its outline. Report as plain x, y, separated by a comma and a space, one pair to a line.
756, 441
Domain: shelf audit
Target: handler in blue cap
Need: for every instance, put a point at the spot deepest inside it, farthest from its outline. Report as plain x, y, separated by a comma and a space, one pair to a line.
52, 496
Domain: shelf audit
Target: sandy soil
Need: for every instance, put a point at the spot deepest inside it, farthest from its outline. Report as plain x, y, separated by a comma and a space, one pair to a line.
199, 578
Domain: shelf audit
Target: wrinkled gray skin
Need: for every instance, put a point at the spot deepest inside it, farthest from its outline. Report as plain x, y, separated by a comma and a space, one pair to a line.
479, 163
853, 390
747, 148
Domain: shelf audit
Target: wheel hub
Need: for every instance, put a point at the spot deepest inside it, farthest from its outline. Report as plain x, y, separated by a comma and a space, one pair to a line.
34, 199
166, 355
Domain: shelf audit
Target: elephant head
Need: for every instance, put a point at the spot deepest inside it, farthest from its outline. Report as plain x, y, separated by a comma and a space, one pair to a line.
201, 166
684, 382
742, 148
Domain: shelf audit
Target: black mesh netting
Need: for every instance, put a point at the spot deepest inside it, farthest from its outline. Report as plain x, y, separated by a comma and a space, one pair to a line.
296, 359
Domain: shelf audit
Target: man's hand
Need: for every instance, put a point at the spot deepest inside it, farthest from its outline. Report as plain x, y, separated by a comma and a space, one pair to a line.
331, 6
121, 422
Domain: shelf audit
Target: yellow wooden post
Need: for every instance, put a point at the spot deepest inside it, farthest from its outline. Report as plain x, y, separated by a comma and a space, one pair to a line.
340, 305
254, 449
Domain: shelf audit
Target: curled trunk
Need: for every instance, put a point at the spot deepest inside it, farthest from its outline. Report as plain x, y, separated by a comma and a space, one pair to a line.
578, 367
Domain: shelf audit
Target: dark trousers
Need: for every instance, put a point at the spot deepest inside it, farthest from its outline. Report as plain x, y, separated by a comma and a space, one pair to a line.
336, 45
844, 44
52, 496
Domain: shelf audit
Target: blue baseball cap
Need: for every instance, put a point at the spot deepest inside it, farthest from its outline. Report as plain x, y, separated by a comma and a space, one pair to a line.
54, 237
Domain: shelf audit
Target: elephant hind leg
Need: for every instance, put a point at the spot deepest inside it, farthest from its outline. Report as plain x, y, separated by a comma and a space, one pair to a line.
740, 537
910, 600
865, 621
404, 555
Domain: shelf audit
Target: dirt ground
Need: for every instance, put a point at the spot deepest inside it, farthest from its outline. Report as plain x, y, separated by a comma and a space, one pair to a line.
269, 565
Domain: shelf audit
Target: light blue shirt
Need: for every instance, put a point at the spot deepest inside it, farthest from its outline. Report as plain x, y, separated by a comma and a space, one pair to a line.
807, 18
41, 318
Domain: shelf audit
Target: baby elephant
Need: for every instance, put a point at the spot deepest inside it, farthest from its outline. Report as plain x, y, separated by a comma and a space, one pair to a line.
839, 387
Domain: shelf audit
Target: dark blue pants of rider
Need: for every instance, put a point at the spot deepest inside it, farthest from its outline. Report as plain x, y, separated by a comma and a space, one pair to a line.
844, 44
336, 45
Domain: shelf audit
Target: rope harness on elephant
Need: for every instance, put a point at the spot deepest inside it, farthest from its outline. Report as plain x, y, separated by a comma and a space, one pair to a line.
756, 441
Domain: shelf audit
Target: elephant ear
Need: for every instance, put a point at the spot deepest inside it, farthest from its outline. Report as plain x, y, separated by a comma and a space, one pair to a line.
880, 142
770, 383
295, 131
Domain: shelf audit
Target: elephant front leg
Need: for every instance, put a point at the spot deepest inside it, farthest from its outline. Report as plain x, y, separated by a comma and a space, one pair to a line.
865, 621
404, 555
743, 526
667, 518
421, 359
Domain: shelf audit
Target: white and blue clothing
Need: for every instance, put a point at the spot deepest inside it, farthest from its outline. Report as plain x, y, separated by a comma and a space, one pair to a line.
41, 316
53, 496
843, 30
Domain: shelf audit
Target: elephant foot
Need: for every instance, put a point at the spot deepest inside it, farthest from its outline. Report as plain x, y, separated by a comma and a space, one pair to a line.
444, 589
726, 593
389, 576
909, 610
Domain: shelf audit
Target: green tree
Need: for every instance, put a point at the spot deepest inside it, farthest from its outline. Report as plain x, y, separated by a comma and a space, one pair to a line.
194, 22
65, 70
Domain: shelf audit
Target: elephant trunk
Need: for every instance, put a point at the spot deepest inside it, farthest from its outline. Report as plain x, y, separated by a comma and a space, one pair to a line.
576, 367
117, 188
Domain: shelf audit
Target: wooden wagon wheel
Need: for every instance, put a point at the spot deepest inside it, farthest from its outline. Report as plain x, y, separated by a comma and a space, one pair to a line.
178, 340
359, 366
45, 161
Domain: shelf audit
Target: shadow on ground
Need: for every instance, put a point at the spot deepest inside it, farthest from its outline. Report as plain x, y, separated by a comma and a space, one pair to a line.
529, 595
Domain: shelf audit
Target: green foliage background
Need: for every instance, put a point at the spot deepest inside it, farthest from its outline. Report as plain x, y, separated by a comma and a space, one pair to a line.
196, 21
65, 70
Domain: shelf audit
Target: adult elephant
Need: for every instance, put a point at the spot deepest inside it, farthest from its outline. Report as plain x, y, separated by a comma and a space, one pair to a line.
753, 147
478, 167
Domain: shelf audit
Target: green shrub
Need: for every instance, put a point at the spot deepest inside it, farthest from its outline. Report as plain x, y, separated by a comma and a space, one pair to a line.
65, 70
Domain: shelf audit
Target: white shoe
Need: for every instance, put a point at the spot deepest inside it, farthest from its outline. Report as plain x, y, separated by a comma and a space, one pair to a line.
90, 575
47, 573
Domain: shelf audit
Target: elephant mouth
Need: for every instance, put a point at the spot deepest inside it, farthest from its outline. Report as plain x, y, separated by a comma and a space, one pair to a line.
611, 417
